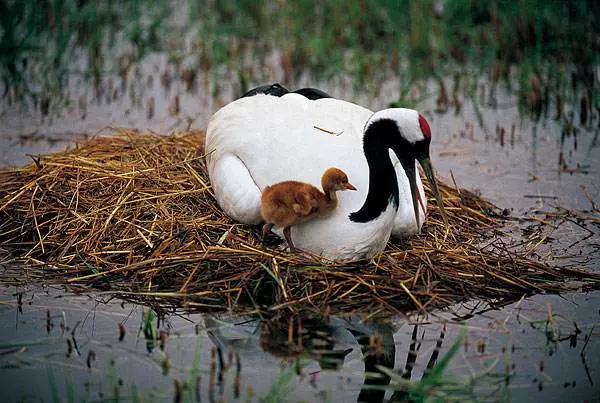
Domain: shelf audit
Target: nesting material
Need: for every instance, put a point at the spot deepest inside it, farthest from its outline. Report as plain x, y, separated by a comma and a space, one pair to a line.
134, 213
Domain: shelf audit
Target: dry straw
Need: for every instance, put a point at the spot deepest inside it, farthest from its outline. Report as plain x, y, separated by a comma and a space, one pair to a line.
134, 213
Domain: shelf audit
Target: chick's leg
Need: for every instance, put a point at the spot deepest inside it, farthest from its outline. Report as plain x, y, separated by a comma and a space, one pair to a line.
287, 233
265, 230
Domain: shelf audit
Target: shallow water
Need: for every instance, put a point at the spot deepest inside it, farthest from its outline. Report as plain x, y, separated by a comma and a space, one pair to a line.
56, 343
519, 172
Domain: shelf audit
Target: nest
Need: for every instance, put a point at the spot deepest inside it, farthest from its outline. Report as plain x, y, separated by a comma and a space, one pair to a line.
133, 213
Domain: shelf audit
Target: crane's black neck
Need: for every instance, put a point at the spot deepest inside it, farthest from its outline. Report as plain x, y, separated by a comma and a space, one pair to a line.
383, 184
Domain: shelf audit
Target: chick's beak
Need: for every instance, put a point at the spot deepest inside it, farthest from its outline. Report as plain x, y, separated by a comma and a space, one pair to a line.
348, 186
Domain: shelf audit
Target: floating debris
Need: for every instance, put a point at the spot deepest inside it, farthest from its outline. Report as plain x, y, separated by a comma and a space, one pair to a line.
90, 359
122, 332
163, 335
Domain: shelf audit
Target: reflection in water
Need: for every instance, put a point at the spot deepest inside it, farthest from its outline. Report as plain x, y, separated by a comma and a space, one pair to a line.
329, 340
52, 340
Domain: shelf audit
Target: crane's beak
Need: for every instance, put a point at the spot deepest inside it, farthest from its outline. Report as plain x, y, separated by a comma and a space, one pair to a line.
426, 164
348, 186
409, 169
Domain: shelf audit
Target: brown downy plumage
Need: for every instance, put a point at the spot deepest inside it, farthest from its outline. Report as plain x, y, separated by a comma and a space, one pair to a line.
290, 203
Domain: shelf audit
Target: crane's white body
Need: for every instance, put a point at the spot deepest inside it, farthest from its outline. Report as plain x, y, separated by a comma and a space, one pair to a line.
261, 140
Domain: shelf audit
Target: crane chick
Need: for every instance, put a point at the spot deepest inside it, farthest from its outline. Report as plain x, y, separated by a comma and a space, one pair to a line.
290, 203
